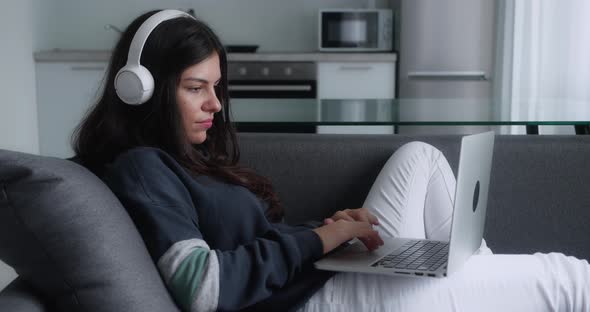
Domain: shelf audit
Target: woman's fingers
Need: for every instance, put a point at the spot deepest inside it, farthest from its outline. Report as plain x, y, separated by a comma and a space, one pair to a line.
363, 214
372, 219
336, 232
360, 214
343, 215
371, 243
369, 237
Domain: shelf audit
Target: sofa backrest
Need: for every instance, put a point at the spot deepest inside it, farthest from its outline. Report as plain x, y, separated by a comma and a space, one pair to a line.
538, 200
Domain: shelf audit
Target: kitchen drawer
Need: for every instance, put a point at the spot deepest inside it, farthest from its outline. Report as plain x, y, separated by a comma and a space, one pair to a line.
356, 80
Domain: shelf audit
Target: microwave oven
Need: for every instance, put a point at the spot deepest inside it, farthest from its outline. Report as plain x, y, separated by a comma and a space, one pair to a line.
355, 30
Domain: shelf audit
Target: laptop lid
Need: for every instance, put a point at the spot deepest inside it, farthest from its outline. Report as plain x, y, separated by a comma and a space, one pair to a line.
471, 197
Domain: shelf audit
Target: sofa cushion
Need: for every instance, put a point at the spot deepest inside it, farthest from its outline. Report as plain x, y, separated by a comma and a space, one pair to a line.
67, 235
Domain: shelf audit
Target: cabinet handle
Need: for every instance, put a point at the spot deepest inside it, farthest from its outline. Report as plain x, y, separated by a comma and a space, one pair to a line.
448, 75
269, 88
87, 68
352, 67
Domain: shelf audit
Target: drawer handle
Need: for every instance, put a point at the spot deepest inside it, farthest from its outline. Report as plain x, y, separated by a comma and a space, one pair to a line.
448, 75
268, 88
359, 68
88, 68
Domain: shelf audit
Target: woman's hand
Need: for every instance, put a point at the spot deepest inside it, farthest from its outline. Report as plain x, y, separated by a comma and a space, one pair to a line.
360, 214
337, 232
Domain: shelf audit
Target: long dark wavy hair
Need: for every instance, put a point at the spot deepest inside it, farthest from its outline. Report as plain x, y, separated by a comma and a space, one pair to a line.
111, 127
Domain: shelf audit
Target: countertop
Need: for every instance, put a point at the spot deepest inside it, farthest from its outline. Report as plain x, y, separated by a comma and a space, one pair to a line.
58, 55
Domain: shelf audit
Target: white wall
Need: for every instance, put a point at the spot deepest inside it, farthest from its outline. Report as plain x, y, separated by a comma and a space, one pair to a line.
18, 110
7, 274
44, 12
275, 25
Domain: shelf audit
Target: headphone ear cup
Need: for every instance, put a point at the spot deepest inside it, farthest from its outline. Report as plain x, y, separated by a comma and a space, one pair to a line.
134, 84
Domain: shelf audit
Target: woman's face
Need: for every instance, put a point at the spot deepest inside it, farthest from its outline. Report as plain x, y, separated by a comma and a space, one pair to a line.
196, 97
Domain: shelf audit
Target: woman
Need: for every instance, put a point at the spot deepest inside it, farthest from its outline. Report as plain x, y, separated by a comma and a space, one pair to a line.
212, 226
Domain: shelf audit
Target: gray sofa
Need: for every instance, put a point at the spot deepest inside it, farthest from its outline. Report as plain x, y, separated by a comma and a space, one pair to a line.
76, 249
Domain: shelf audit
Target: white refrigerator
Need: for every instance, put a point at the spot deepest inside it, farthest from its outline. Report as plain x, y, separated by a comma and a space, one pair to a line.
446, 63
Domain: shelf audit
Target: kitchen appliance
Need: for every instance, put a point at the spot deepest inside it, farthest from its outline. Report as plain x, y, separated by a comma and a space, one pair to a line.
355, 30
446, 57
241, 48
253, 85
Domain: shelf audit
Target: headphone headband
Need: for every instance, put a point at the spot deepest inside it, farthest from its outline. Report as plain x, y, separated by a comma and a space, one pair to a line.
146, 29
134, 83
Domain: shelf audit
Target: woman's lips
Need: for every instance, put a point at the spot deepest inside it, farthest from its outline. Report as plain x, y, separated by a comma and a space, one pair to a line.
206, 123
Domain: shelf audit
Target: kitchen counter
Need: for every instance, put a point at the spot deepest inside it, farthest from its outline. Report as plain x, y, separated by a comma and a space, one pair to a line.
58, 55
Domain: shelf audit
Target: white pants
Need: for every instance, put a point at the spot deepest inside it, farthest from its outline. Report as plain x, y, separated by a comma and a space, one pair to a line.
413, 197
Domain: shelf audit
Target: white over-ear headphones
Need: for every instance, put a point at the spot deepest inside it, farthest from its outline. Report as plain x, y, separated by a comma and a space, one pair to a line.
134, 83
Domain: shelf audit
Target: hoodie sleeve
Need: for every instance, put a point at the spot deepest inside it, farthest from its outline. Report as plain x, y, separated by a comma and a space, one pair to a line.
148, 183
286, 228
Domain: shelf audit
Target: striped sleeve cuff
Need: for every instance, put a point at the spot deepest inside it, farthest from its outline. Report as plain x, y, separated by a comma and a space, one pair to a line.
191, 272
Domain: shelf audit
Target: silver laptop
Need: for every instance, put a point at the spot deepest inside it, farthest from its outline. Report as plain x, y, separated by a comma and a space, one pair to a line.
428, 258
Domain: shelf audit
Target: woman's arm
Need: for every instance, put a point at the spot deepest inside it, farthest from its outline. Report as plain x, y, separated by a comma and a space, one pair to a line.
286, 228
200, 277
334, 235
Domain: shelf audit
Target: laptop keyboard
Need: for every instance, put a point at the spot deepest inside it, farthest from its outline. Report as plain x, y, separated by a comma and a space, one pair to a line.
416, 255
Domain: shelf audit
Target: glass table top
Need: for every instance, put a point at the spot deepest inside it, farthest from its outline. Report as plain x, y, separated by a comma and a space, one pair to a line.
406, 112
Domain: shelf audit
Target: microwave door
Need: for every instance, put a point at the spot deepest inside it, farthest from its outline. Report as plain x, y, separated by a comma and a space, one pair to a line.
353, 32
350, 29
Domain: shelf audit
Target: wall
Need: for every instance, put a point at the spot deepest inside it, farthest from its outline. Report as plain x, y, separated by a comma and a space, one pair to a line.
18, 110
45, 13
275, 25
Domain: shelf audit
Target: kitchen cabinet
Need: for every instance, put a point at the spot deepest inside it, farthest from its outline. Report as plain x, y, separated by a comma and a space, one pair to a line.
69, 82
65, 91
356, 80
362, 85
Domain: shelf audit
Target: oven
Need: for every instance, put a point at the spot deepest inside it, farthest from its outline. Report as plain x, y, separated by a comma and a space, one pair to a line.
271, 90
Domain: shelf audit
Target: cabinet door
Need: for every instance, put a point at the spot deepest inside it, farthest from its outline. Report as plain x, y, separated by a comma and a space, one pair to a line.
65, 91
358, 86
358, 80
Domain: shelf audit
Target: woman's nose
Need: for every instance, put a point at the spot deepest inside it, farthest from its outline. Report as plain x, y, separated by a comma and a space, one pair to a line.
213, 105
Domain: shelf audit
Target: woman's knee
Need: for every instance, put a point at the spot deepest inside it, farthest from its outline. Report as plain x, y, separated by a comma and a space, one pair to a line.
417, 146
415, 150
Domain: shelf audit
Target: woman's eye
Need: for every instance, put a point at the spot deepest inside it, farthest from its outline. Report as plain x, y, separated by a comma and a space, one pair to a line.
194, 89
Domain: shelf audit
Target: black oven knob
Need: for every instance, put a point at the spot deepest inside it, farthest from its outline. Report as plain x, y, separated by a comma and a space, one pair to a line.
243, 71
265, 71
288, 71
